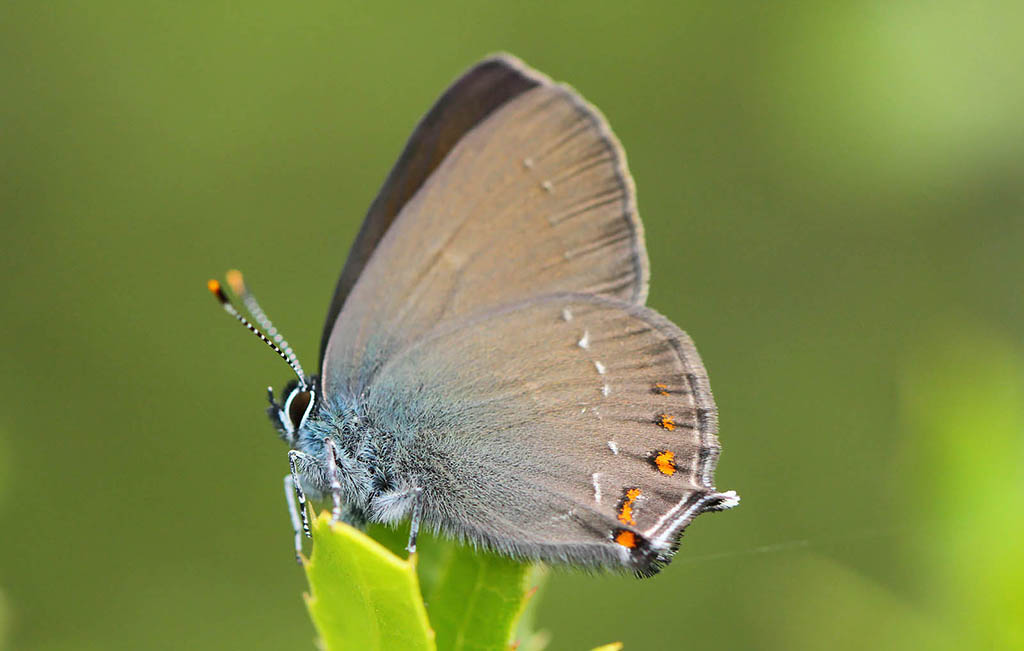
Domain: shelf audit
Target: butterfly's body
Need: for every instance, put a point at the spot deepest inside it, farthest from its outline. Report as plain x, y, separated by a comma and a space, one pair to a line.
488, 365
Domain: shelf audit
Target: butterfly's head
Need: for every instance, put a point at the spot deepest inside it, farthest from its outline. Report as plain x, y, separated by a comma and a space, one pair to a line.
298, 402
299, 397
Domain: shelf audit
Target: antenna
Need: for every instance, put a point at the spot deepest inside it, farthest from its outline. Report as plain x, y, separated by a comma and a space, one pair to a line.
289, 356
237, 282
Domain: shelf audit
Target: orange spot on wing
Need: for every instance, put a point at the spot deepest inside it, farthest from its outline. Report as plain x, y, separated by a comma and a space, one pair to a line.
626, 509
661, 388
626, 538
667, 422
666, 462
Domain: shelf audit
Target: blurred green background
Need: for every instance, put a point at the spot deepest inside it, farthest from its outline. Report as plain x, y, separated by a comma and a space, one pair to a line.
834, 205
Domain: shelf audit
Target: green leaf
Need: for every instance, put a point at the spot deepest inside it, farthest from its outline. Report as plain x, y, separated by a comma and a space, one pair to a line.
477, 599
502, 593
363, 596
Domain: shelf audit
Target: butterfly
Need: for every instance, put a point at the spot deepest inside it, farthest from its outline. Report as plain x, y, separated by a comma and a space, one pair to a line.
488, 367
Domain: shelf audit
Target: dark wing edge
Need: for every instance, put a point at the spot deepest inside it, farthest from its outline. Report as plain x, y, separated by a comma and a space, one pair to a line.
630, 212
660, 542
657, 544
474, 96
468, 101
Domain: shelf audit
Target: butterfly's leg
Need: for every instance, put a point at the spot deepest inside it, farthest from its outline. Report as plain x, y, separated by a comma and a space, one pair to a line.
414, 527
293, 490
334, 476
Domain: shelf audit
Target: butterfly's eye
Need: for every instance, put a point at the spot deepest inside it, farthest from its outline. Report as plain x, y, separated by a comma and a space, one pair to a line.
297, 407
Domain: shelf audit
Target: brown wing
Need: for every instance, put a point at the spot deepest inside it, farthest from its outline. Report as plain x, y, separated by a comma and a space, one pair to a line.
474, 96
535, 199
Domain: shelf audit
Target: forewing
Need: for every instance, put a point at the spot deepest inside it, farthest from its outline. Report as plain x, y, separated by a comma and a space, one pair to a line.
535, 199
565, 428
474, 96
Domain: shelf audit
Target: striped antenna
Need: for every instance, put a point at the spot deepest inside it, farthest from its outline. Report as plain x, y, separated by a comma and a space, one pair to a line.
237, 282
218, 292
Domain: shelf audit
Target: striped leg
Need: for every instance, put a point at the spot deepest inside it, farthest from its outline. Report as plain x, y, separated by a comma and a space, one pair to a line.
414, 526
293, 490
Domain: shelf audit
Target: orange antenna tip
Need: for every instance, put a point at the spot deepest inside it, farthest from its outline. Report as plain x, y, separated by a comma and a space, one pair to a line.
234, 277
216, 290
278, 344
